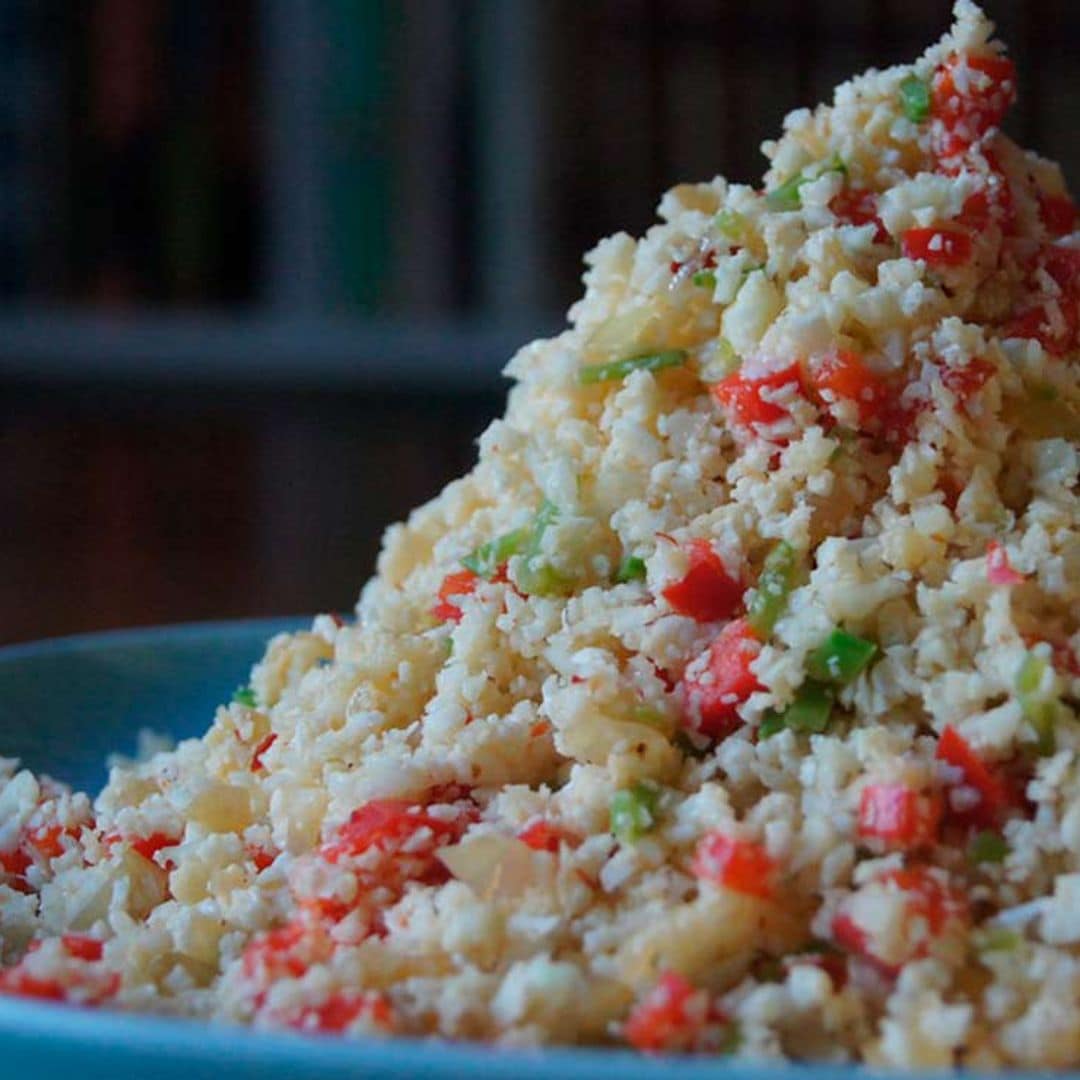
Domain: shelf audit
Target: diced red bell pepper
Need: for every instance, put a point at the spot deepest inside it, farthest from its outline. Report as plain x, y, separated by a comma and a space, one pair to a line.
386, 824
999, 571
1062, 264
286, 952
15, 863
742, 400
149, 846
993, 203
899, 815
257, 756
740, 865
857, 206
46, 840
707, 592
460, 583
843, 375
969, 95
966, 381
928, 897
1058, 214
260, 856
81, 947
341, 1009
993, 793
668, 1018
541, 835
937, 245
94, 985
713, 688
1036, 323
409, 838
17, 982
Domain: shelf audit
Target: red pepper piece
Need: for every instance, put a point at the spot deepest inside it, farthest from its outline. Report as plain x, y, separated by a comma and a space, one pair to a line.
668, 1018
966, 381
149, 846
460, 583
713, 688
999, 571
81, 947
843, 375
742, 400
543, 836
899, 815
707, 592
969, 95
1058, 214
993, 794
937, 245
340, 1010
257, 756
741, 865
857, 206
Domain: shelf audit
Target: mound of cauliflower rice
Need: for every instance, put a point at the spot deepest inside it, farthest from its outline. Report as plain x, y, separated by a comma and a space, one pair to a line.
728, 706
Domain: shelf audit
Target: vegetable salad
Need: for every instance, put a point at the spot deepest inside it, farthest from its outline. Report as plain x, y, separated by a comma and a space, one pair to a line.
729, 706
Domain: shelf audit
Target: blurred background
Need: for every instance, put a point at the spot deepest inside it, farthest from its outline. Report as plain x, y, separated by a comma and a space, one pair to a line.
261, 262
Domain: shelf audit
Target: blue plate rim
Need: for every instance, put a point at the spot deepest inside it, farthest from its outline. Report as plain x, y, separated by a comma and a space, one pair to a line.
202, 1043
139, 635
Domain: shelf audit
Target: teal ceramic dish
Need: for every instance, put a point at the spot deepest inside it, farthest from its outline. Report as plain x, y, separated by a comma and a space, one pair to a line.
65, 705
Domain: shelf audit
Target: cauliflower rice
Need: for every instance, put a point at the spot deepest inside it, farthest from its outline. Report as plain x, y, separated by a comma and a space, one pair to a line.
729, 705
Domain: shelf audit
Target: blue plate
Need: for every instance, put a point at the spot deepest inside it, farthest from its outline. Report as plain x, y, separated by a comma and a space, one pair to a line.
64, 705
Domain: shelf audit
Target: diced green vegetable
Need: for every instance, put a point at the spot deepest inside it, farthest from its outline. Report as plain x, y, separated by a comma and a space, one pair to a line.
654, 718
808, 714
615, 370
997, 939
1040, 710
538, 578
987, 847
772, 723
244, 695
915, 98
1029, 677
487, 558
535, 576
704, 279
811, 709
775, 583
730, 223
632, 568
788, 196
633, 812
841, 658
836, 164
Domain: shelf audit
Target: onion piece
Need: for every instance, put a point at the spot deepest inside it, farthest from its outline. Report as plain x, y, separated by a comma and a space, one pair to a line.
498, 867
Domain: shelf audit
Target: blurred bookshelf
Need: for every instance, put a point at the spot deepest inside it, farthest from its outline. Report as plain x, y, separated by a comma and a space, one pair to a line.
390, 190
